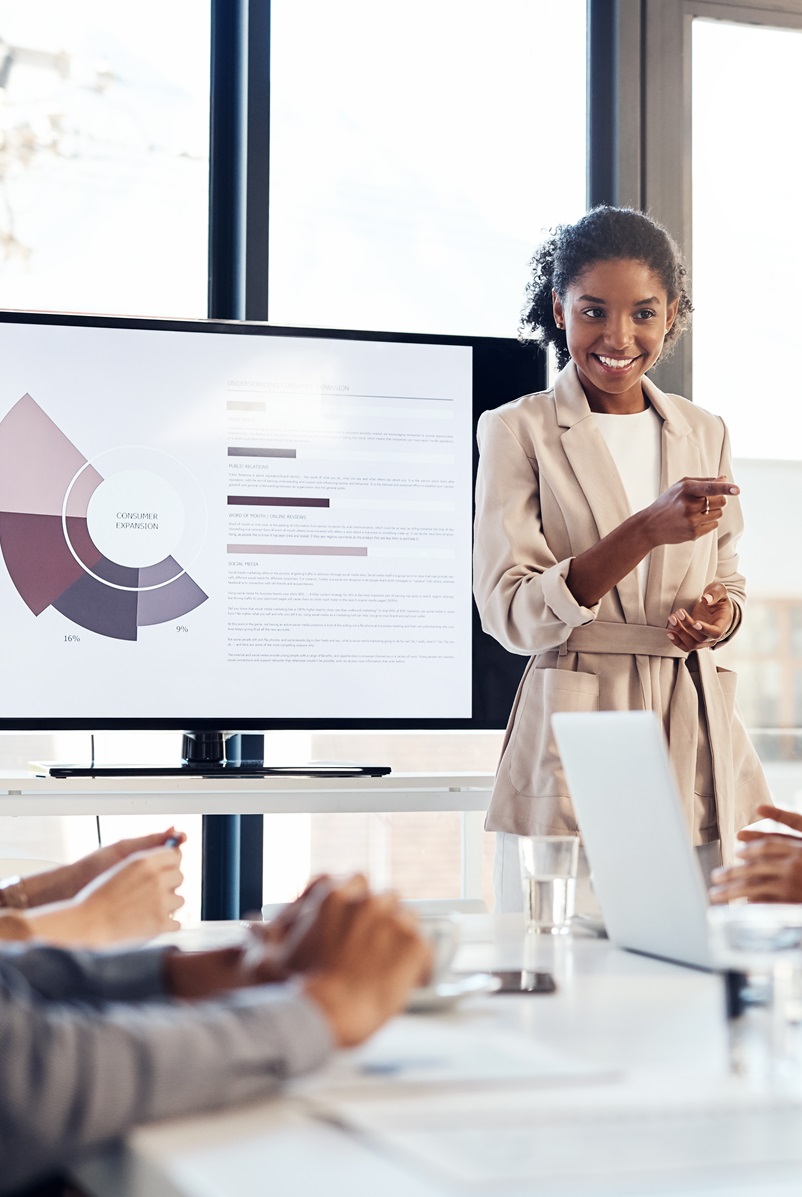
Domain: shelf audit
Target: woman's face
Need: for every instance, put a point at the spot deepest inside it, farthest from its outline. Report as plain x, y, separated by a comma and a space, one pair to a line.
616, 316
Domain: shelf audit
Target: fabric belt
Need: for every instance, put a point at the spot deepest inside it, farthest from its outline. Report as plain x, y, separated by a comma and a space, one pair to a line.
643, 641
631, 639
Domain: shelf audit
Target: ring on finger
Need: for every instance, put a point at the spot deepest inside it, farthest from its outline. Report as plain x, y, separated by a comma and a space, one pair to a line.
706, 508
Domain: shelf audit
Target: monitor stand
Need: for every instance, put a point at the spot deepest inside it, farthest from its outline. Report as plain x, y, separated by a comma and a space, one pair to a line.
216, 754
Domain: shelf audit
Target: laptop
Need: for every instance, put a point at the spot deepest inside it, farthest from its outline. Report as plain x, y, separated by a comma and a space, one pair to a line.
644, 868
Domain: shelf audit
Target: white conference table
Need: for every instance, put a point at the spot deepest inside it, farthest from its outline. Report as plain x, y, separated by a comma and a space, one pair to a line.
616, 1084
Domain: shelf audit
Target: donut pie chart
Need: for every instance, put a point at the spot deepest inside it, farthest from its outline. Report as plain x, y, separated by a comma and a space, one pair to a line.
49, 498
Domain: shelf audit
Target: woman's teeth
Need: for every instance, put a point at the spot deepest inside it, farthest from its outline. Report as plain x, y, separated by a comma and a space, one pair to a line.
616, 363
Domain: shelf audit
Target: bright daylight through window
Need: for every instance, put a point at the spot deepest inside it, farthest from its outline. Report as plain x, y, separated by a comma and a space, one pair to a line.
750, 243
104, 156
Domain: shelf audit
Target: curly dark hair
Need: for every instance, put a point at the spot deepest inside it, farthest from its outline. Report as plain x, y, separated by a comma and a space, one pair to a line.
600, 235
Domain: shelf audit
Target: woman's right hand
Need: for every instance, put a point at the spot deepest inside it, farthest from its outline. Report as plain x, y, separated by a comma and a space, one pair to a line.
680, 514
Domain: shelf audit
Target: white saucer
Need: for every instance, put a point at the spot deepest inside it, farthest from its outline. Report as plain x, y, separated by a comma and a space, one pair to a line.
449, 991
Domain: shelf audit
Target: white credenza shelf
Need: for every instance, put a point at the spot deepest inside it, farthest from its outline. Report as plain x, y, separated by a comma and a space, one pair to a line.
465, 793
23, 794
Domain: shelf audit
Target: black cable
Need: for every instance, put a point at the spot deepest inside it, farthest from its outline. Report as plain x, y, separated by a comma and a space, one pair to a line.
91, 766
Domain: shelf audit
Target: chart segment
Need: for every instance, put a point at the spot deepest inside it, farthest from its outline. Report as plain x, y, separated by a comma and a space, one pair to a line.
51, 499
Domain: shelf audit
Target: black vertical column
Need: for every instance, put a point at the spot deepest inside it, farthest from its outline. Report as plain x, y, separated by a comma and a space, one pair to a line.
232, 844
251, 837
227, 146
257, 157
602, 85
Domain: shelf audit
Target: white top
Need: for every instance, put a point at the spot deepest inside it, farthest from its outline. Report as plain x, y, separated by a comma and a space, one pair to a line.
634, 442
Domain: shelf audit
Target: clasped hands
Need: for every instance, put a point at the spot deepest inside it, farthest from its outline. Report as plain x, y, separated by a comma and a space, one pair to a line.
355, 954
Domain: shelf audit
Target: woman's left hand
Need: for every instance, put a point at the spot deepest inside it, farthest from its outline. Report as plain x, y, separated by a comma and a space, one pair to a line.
706, 622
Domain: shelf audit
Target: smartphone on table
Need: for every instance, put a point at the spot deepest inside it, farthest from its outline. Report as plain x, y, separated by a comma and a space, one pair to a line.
518, 980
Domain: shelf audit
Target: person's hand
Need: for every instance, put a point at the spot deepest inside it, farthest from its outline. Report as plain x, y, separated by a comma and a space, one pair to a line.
65, 881
102, 859
290, 942
689, 509
136, 899
706, 622
377, 956
370, 954
298, 935
770, 865
767, 811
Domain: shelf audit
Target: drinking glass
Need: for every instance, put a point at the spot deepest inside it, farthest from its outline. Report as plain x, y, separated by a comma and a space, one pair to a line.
759, 947
548, 874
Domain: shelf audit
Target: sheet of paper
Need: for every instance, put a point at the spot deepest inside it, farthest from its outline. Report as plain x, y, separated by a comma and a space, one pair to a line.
417, 1053
595, 1139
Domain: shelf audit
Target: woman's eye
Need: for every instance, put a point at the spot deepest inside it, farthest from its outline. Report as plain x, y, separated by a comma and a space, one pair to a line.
594, 313
646, 314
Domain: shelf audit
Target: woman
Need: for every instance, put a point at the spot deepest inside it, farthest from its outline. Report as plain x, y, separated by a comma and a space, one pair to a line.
606, 541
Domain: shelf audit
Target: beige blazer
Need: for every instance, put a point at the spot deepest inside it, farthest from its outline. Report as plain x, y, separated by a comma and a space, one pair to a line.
547, 490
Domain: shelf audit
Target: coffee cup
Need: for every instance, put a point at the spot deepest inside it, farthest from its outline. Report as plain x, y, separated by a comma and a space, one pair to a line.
443, 934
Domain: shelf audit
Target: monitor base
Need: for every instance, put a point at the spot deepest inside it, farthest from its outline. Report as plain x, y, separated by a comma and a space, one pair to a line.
212, 770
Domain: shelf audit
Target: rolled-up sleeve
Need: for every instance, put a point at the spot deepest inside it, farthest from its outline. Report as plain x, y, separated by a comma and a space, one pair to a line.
519, 585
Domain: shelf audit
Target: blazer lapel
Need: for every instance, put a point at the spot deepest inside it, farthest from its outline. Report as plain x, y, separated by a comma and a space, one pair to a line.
681, 458
596, 474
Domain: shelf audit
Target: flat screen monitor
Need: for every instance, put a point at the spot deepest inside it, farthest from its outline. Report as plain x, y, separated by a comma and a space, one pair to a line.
224, 525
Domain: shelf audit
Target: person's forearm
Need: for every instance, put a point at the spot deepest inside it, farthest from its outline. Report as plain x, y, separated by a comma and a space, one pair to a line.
88, 977
596, 571
194, 975
64, 923
71, 1079
54, 885
14, 925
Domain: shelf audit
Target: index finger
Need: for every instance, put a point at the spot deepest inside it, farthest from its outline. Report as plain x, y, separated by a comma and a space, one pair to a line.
789, 817
752, 837
704, 487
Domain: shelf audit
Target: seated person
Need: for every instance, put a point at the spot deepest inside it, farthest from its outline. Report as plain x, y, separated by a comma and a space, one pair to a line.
92, 1044
770, 866
123, 891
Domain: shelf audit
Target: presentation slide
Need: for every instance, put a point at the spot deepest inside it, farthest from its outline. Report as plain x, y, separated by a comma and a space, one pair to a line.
206, 524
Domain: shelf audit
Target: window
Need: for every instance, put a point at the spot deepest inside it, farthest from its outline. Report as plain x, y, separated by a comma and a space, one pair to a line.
417, 153
747, 257
104, 156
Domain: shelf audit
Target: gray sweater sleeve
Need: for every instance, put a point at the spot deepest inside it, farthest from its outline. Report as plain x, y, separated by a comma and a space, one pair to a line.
73, 1075
89, 976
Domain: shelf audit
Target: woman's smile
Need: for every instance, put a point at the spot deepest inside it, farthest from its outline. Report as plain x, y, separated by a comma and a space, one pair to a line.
617, 365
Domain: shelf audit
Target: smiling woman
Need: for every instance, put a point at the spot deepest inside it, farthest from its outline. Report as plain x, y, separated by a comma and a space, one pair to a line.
605, 547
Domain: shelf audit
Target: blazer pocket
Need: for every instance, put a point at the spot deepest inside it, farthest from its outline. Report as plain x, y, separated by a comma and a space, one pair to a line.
535, 766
